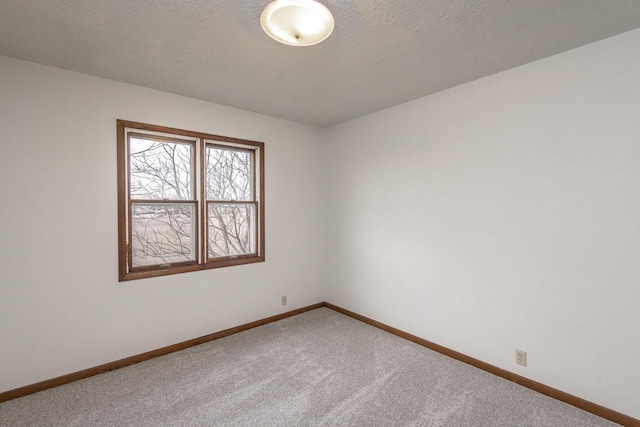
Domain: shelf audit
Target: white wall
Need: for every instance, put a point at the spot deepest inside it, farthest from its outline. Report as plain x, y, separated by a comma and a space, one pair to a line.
504, 214
500, 214
62, 308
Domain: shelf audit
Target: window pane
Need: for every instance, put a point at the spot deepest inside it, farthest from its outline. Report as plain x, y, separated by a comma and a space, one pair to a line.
160, 170
162, 233
229, 174
231, 229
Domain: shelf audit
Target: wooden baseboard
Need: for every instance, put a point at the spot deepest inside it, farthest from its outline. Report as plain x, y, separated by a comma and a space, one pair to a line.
75, 376
598, 410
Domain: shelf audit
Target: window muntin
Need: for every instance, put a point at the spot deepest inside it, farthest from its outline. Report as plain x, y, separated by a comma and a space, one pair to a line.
187, 201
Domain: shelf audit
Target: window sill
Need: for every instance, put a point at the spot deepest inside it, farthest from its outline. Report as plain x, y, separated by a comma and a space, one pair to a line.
135, 275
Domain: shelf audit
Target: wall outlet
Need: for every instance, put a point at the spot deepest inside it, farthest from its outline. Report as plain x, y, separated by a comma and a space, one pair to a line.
521, 357
283, 300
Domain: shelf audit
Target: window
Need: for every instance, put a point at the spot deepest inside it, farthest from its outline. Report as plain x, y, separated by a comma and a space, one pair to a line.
187, 201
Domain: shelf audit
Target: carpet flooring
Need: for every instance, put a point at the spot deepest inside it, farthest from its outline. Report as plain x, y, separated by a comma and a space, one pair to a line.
320, 368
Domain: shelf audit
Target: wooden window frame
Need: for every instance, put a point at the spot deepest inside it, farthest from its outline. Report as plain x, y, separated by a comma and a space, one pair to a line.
200, 141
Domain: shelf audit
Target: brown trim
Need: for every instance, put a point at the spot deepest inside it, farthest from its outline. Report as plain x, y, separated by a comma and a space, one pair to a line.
212, 143
134, 275
159, 138
122, 202
202, 199
131, 202
96, 370
152, 267
261, 197
256, 193
126, 271
578, 402
129, 220
256, 196
164, 129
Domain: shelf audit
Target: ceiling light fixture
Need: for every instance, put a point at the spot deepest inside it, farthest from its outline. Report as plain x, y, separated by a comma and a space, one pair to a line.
297, 22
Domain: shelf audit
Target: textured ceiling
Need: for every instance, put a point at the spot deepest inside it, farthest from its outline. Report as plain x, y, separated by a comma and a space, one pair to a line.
382, 52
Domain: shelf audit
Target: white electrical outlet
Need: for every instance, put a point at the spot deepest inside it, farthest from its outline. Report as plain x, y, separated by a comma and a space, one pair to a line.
283, 300
521, 357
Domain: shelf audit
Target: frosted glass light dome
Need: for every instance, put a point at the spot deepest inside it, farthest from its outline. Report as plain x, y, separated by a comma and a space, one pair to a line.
297, 22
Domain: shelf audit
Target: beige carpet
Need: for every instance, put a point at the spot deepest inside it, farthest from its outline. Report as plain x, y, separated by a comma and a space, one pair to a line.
316, 369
